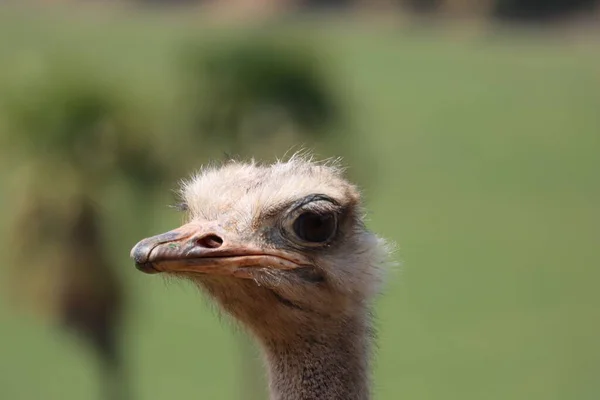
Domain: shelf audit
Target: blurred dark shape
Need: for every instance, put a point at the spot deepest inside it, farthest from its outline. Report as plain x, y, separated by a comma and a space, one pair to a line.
74, 135
540, 10
311, 4
58, 243
93, 296
257, 88
326, 4
421, 6
171, 2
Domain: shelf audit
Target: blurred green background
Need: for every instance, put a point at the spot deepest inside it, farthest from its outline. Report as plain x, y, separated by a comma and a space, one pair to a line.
478, 151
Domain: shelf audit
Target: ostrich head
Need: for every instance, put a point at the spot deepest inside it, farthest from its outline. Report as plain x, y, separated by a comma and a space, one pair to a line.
282, 248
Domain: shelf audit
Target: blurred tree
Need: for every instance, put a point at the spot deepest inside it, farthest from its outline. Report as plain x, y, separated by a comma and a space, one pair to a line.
250, 91
75, 141
80, 121
538, 10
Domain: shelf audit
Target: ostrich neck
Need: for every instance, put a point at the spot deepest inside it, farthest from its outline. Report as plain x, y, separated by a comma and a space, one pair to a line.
331, 364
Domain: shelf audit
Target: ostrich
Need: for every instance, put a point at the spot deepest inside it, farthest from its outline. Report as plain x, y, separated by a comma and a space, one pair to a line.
282, 248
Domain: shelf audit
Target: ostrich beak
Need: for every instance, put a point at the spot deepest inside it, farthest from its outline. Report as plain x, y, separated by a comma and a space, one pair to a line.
200, 248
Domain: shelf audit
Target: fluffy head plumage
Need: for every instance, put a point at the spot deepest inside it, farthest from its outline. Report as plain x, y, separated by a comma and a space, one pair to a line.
251, 198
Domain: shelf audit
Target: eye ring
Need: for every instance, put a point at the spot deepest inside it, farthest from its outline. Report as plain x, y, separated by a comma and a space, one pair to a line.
314, 228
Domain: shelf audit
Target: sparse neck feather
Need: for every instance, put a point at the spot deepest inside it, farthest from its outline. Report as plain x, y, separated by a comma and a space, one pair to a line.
330, 365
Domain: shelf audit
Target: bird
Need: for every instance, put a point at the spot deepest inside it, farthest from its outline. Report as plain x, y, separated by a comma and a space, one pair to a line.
283, 249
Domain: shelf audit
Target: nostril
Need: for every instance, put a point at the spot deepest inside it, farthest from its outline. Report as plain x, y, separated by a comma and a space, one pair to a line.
210, 241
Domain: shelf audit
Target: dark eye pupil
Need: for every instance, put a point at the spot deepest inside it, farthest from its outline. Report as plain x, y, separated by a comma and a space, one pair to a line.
315, 228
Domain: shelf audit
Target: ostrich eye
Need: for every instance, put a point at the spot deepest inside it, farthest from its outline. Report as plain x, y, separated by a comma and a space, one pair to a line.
315, 228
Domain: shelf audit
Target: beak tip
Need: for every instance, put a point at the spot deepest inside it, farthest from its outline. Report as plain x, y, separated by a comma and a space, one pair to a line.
140, 254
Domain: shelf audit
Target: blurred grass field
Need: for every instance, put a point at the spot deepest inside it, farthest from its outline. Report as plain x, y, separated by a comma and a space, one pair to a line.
480, 157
